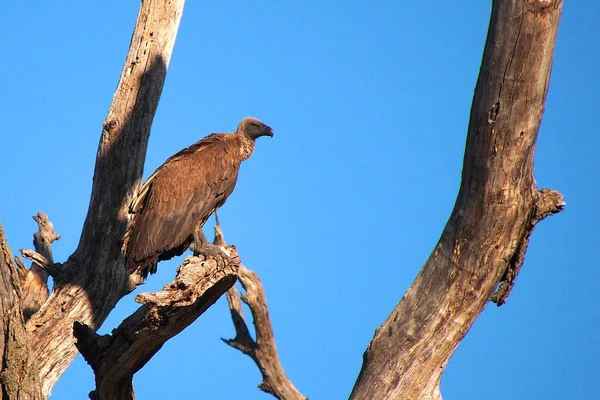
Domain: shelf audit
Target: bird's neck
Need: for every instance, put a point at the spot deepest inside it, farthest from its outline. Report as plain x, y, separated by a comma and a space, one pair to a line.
247, 147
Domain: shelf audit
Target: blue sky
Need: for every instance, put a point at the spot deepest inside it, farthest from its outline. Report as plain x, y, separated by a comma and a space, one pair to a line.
337, 213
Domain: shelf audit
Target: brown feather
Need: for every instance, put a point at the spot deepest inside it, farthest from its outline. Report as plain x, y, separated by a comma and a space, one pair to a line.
181, 195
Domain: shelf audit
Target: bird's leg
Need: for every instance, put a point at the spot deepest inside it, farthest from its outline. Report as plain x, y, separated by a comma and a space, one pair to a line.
202, 246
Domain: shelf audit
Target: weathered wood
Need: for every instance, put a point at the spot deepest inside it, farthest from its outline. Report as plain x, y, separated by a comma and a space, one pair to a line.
19, 375
34, 281
546, 202
496, 210
40, 262
262, 350
117, 357
93, 279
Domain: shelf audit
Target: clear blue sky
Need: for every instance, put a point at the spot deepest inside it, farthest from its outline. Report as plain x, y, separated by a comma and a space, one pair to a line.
338, 212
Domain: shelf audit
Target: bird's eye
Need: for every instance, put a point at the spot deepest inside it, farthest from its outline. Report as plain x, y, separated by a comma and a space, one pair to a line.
254, 124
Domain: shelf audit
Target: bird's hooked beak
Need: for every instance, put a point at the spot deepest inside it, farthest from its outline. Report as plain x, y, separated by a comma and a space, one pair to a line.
268, 131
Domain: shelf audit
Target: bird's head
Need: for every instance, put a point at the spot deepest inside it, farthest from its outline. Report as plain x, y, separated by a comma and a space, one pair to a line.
254, 128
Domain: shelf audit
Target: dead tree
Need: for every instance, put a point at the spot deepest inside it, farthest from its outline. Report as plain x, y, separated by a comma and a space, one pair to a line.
498, 206
89, 284
476, 260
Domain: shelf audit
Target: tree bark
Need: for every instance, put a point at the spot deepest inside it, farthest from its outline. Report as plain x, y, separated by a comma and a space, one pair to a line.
34, 281
498, 206
19, 375
88, 286
115, 358
483, 244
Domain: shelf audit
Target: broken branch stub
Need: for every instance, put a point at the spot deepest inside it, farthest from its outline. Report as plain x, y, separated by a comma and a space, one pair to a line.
34, 281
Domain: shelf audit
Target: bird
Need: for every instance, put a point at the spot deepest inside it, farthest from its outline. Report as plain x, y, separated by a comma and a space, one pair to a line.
167, 215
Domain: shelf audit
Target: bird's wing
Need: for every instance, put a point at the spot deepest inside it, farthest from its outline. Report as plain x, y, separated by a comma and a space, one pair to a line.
181, 194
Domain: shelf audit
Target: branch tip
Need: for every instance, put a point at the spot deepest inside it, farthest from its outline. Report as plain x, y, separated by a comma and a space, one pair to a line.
46, 228
20, 263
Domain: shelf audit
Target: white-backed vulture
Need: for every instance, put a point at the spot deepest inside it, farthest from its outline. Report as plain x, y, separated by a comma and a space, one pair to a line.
174, 203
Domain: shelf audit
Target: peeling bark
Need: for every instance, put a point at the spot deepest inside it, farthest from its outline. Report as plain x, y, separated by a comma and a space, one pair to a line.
498, 206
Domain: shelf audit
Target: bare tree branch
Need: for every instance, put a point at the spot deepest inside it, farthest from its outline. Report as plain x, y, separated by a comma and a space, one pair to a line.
34, 281
39, 261
263, 351
497, 207
45, 236
117, 357
483, 244
93, 279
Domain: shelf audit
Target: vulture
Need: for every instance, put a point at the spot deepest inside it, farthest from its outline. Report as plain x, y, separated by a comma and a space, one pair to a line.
170, 209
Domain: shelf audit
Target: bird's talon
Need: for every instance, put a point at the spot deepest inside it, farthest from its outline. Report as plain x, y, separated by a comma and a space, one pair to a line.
212, 251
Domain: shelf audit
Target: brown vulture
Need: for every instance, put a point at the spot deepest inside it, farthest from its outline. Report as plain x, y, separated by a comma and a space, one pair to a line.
172, 206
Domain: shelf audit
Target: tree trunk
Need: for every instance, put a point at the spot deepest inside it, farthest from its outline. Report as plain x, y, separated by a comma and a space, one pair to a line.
88, 286
498, 205
19, 376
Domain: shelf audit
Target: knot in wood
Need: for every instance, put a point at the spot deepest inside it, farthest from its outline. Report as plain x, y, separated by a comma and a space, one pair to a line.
493, 113
110, 126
